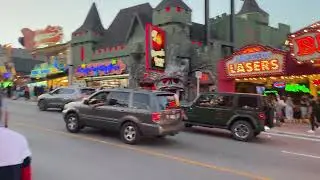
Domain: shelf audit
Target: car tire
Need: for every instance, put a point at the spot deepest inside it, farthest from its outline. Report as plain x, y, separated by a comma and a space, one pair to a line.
242, 131
130, 133
72, 123
257, 133
188, 125
42, 105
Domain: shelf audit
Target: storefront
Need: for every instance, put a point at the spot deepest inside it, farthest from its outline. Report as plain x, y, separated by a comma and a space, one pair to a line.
264, 70
111, 73
53, 73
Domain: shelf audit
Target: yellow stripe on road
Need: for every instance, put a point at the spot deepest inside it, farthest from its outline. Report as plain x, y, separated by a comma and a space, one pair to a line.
152, 153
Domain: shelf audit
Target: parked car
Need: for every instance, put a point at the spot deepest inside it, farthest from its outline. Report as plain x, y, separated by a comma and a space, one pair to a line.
61, 96
135, 113
244, 115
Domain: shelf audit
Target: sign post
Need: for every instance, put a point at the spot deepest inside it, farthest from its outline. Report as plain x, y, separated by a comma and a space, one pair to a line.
198, 76
70, 66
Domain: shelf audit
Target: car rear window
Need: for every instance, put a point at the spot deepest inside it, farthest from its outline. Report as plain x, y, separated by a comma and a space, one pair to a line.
87, 91
248, 102
167, 101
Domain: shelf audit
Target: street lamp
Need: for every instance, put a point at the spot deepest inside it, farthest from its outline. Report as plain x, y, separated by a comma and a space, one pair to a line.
232, 29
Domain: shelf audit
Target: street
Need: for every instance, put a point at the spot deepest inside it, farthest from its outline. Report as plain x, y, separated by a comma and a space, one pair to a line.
197, 153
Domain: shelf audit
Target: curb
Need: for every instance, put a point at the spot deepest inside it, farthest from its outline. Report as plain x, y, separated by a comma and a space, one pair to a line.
22, 101
293, 134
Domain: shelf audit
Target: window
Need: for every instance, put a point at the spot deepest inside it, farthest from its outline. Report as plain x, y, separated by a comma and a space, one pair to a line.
248, 102
141, 101
167, 101
224, 101
205, 100
66, 91
101, 97
118, 99
87, 91
57, 91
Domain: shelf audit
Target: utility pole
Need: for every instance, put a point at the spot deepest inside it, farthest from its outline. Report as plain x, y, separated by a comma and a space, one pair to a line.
207, 24
70, 65
232, 29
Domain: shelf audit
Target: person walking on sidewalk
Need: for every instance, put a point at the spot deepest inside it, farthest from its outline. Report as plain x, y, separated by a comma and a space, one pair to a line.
15, 155
314, 114
289, 109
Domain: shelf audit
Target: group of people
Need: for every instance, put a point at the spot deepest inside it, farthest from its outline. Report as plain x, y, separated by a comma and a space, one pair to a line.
287, 110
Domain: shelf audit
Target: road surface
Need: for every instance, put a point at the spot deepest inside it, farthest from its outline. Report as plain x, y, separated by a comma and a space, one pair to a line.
199, 153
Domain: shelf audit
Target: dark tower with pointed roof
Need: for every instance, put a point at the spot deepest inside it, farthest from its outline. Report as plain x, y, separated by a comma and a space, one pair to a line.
251, 10
86, 36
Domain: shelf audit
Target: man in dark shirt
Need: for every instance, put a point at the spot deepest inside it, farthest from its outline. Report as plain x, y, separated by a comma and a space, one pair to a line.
15, 155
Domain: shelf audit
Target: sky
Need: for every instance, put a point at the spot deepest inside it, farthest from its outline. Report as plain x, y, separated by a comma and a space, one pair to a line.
70, 14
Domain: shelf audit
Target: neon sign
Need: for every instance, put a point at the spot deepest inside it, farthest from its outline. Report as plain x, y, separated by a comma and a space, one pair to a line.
155, 48
44, 69
297, 88
258, 61
279, 84
109, 67
316, 82
305, 43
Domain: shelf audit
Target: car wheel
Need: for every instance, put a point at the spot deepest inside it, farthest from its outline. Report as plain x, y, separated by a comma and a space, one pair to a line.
187, 125
130, 133
72, 123
242, 131
256, 133
42, 105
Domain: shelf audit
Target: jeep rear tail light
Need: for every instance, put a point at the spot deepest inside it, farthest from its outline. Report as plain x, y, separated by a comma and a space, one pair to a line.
262, 116
156, 117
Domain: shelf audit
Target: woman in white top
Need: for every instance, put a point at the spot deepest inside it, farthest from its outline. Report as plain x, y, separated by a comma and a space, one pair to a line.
289, 109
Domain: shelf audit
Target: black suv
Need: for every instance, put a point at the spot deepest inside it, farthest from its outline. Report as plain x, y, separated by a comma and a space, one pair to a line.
134, 113
245, 115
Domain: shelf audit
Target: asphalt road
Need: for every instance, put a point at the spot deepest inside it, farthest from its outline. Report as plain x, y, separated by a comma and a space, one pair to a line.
202, 154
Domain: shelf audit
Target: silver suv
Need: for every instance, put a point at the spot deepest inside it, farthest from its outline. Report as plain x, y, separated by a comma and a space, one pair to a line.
61, 96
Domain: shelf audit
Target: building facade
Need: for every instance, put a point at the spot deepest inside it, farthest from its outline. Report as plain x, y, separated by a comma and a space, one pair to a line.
158, 48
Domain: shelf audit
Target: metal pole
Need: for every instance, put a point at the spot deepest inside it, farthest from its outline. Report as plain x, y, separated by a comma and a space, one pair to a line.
206, 19
232, 29
70, 65
198, 86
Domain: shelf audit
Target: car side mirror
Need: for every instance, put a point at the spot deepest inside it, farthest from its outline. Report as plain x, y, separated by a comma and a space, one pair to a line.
86, 101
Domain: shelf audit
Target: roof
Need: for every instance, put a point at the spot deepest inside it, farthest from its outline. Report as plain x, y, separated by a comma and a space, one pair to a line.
92, 21
172, 3
251, 6
197, 32
117, 32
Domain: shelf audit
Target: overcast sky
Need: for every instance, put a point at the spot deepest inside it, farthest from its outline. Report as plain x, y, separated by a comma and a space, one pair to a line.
70, 14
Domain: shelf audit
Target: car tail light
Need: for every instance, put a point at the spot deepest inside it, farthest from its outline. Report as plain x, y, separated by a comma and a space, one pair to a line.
262, 116
156, 117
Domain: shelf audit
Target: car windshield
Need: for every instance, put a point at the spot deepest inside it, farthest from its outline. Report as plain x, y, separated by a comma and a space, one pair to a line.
167, 101
87, 91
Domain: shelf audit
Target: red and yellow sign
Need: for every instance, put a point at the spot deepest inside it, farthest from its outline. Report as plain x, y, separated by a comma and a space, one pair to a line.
255, 60
155, 48
49, 36
305, 43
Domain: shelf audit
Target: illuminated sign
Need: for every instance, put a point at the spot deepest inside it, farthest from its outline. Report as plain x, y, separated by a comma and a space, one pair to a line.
44, 69
279, 84
297, 88
109, 67
49, 36
254, 61
316, 82
155, 48
305, 43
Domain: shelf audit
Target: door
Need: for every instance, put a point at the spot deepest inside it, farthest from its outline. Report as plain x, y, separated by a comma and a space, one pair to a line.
200, 112
92, 114
65, 95
223, 109
53, 97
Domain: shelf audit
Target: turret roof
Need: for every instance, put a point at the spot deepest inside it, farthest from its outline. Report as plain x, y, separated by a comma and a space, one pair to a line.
172, 3
92, 21
251, 6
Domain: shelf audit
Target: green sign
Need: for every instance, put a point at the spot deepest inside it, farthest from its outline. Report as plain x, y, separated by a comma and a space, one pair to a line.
297, 88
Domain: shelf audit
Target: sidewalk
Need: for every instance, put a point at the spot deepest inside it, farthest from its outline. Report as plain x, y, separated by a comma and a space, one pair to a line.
298, 130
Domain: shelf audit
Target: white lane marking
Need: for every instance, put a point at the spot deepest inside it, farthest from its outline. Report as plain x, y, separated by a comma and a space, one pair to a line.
300, 154
292, 136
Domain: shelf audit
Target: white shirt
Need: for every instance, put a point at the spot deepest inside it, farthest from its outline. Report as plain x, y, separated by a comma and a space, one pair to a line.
14, 147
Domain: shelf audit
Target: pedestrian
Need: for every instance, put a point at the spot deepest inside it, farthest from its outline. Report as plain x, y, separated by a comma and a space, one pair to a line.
280, 105
304, 107
289, 109
314, 114
15, 155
